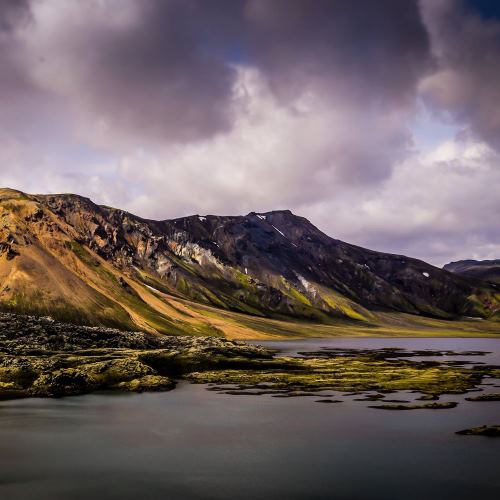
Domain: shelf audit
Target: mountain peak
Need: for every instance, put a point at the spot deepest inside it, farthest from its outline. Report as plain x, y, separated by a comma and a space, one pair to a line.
284, 212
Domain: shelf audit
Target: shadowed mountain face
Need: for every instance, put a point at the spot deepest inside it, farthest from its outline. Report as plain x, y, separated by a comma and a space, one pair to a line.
486, 270
66, 256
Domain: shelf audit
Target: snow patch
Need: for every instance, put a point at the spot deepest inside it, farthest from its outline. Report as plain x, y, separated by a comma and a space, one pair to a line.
262, 217
154, 289
307, 286
303, 281
426, 275
279, 231
202, 219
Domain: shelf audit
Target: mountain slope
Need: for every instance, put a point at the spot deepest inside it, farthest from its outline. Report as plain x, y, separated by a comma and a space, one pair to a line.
485, 270
66, 256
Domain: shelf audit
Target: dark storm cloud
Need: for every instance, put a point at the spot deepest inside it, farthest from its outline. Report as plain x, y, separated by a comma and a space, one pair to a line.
12, 12
164, 69
152, 70
368, 54
21, 101
364, 48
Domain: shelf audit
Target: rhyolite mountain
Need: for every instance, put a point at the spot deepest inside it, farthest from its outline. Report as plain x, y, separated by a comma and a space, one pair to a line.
65, 256
486, 270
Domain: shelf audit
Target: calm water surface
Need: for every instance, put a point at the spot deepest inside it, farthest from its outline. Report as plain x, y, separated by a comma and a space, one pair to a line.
195, 444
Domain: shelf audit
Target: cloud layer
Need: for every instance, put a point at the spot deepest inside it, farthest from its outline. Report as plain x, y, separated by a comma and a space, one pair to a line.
170, 107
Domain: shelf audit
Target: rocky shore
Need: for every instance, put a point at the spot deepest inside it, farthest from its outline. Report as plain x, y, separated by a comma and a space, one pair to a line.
43, 358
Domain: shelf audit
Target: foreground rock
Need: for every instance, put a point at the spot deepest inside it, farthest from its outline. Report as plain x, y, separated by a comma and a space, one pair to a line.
40, 357
484, 430
484, 397
428, 406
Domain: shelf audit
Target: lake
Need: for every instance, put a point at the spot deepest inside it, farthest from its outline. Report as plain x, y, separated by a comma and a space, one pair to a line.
191, 443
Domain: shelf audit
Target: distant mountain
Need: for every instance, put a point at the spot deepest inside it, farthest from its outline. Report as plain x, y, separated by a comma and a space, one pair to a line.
486, 270
65, 256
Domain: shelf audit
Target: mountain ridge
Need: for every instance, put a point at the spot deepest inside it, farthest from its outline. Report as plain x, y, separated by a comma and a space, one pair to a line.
105, 265
485, 270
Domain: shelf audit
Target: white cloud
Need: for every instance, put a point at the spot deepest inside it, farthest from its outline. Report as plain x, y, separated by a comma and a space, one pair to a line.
439, 205
275, 156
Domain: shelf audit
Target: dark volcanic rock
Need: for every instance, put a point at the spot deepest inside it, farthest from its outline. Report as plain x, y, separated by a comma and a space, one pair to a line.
484, 397
428, 406
30, 334
40, 357
484, 430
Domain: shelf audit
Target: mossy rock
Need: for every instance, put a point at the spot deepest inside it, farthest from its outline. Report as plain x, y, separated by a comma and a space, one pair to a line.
483, 430
40, 357
148, 383
428, 406
113, 372
66, 382
484, 397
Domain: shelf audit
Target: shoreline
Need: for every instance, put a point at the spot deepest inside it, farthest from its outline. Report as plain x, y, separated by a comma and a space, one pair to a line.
40, 357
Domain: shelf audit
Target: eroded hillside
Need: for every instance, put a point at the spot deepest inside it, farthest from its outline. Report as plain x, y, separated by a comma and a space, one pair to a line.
64, 256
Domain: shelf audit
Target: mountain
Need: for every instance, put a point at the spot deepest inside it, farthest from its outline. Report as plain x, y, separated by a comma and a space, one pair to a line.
64, 256
485, 270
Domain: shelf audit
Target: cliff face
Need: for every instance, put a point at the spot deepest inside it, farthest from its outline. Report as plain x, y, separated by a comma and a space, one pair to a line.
64, 255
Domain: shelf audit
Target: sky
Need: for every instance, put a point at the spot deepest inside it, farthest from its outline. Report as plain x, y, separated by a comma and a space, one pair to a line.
379, 121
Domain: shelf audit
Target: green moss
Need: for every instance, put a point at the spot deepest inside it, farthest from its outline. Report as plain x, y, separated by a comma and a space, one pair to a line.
101, 311
292, 292
242, 278
349, 375
125, 295
345, 306
82, 253
426, 406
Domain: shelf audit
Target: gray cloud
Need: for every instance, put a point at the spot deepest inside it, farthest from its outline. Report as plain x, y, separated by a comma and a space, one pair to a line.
164, 69
143, 70
13, 12
367, 50
15, 84
467, 82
